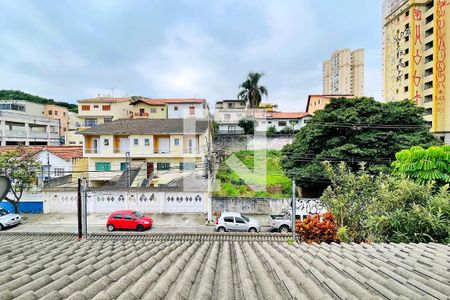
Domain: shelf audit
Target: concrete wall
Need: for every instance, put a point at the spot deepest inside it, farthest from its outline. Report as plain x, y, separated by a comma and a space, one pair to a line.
250, 142
265, 206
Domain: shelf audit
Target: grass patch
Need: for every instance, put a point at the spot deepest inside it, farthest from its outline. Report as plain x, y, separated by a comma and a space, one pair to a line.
276, 183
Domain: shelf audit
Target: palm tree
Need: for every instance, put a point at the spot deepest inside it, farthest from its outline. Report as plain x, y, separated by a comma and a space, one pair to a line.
250, 91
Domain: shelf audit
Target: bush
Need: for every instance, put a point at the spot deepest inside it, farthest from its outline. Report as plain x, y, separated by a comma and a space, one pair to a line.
271, 131
317, 229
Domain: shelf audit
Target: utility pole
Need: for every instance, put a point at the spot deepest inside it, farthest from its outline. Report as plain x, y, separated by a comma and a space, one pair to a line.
48, 166
127, 157
85, 231
80, 235
294, 209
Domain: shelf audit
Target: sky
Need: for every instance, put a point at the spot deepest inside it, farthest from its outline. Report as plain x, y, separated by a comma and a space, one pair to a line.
70, 50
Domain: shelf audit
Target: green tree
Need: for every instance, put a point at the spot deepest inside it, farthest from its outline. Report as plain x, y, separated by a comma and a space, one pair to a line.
19, 95
250, 90
271, 131
20, 166
424, 165
355, 130
248, 125
385, 208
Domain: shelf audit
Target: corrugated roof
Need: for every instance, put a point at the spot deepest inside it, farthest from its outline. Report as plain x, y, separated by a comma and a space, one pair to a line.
217, 266
149, 126
105, 100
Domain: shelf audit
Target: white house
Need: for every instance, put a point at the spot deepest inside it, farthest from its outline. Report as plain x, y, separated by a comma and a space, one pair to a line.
227, 115
281, 120
186, 108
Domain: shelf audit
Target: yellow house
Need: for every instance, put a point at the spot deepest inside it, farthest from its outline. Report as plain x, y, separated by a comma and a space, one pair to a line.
100, 110
157, 150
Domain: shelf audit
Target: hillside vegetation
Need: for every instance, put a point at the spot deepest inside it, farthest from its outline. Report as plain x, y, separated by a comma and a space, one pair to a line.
19, 95
277, 185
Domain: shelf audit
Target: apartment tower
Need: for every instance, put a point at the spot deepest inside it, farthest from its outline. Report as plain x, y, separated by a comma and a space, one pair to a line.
343, 74
415, 34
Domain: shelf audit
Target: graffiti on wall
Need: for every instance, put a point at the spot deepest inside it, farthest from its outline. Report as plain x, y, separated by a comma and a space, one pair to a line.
440, 66
400, 53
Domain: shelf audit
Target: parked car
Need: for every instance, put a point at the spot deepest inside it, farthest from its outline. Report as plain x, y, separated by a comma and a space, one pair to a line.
8, 219
128, 219
232, 221
282, 222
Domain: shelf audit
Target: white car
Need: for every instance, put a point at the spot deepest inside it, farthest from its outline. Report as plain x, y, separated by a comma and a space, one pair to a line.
232, 221
7, 219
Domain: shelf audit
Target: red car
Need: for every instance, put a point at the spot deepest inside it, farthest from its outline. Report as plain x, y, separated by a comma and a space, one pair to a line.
128, 219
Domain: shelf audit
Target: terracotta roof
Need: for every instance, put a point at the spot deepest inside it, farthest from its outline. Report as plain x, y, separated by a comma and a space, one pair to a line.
183, 100
214, 265
104, 100
287, 115
64, 152
149, 101
148, 126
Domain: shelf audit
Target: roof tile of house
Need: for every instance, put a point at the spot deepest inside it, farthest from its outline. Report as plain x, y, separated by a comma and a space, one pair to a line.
287, 115
149, 126
64, 152
210, 266
105, 100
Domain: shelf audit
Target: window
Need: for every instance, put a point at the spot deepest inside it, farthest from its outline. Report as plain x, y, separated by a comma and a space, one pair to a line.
406, 88
56, 112
123, 166
72, 143
106, 107
50, 112
429, 19
407, 51
117, 216
228, 220
162, 166
407, 13
429, 58
239, 220
175, 108
406, 63
176, 141
85, 107
95, 106
187, 166
227, 116
64, 114
106, 142
281, 123
406, 76
192, 110
147, 142
90, 122
136, 142
102, 166
107, 120
128, 217
428, 111
153, 110
58, 171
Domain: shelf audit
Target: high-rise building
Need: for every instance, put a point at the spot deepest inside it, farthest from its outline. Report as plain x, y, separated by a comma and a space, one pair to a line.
415, 34
343, 74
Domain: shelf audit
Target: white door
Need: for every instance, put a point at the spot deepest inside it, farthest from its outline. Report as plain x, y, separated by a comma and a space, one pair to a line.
124, 145
164, 145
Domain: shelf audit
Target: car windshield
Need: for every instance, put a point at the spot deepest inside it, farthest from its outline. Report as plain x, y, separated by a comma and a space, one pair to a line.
3, 212
137, 214
245, 218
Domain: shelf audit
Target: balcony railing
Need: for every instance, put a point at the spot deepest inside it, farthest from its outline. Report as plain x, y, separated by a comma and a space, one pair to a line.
92, 150
191, 150
161, 151
121, 151
140, 114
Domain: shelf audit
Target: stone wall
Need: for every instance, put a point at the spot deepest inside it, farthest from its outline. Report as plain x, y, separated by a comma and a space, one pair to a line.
232, 143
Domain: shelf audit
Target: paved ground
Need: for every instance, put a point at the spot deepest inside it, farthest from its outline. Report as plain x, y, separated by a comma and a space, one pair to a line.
67, 223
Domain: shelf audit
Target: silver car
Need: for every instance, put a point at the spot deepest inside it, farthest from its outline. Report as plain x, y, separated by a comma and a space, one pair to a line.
7, 219
231, 221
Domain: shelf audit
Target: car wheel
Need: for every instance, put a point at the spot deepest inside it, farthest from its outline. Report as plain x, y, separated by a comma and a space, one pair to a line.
1, 227
110, 227
252, 229
140, 227
284, 229
221, 229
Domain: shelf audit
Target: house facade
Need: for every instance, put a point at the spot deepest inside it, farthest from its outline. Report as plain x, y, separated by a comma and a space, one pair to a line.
100, 110
281, 121
227, 115
156, 149
318, 102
